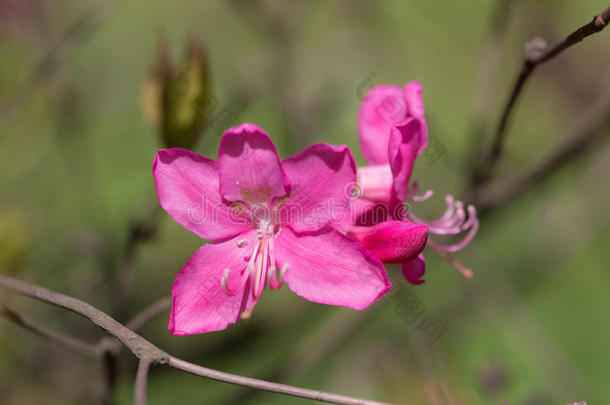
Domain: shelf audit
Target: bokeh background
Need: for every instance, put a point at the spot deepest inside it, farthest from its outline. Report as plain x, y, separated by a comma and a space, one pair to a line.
77, 142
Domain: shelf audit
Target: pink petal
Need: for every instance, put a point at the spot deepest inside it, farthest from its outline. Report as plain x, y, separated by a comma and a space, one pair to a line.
199, 303
321, 177
415, 107
376, 182
402, 149
357, 208
414, 270
330, 268
374, 213
187, 186
382, 108
393, 241
249, 166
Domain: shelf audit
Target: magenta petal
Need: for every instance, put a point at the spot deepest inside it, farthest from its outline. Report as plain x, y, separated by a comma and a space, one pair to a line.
382, 108
415, 107
187, 186
402, 149
321, 177
414, 270
376, 183
393, 241
330, 268
357, 208
249, 166
199, 303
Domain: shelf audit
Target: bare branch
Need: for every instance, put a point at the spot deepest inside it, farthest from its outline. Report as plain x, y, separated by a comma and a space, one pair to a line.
267, 386
109, 363
590, 126
137, 344
536, 54
140, 230
150, 312
148, 352
487, 76
141, 382
76, 345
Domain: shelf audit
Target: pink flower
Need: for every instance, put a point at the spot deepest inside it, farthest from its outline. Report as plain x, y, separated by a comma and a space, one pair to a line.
393, 132
392, 241
262, 214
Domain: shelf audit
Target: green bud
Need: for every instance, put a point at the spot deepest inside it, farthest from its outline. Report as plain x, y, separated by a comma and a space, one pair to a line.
178, 99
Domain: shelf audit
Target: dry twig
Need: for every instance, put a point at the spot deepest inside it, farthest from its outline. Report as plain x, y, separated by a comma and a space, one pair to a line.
149, 354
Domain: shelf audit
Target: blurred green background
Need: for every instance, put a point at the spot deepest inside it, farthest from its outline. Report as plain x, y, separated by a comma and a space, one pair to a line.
530, 328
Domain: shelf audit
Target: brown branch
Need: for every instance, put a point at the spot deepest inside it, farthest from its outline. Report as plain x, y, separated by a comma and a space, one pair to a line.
267, 386
107, 344
141, 382
140, 230
137, 344
591, 125
76, 345
308, 353
109, 363
536, 54
150, 312
148, 352
487, 77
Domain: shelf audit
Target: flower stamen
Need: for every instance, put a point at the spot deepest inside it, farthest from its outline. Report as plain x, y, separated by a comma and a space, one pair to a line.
224, 282
454, 221
417, 198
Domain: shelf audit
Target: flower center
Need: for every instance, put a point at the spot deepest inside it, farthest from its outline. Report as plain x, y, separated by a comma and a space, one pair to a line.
261, 268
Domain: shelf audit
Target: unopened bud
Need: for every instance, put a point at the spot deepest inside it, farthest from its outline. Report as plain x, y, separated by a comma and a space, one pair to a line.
177, 99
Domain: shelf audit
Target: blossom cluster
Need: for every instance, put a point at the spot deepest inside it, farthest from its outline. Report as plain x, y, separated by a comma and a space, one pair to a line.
313, 220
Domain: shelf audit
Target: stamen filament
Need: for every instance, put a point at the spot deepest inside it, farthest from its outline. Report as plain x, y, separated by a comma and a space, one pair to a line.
425, 196
464, 271
271, 276
261, 271
413, 193
224, 282
461, 244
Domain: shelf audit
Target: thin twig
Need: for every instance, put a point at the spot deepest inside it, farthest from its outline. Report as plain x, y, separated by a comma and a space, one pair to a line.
267, 386
141, 382
109, 363
588, 128
140, 230
318, 346
145, 350
487, 77
536, 54
76, 345
137, 344
152, 311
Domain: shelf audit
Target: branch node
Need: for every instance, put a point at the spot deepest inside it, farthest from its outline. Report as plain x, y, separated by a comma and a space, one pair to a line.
535, 49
